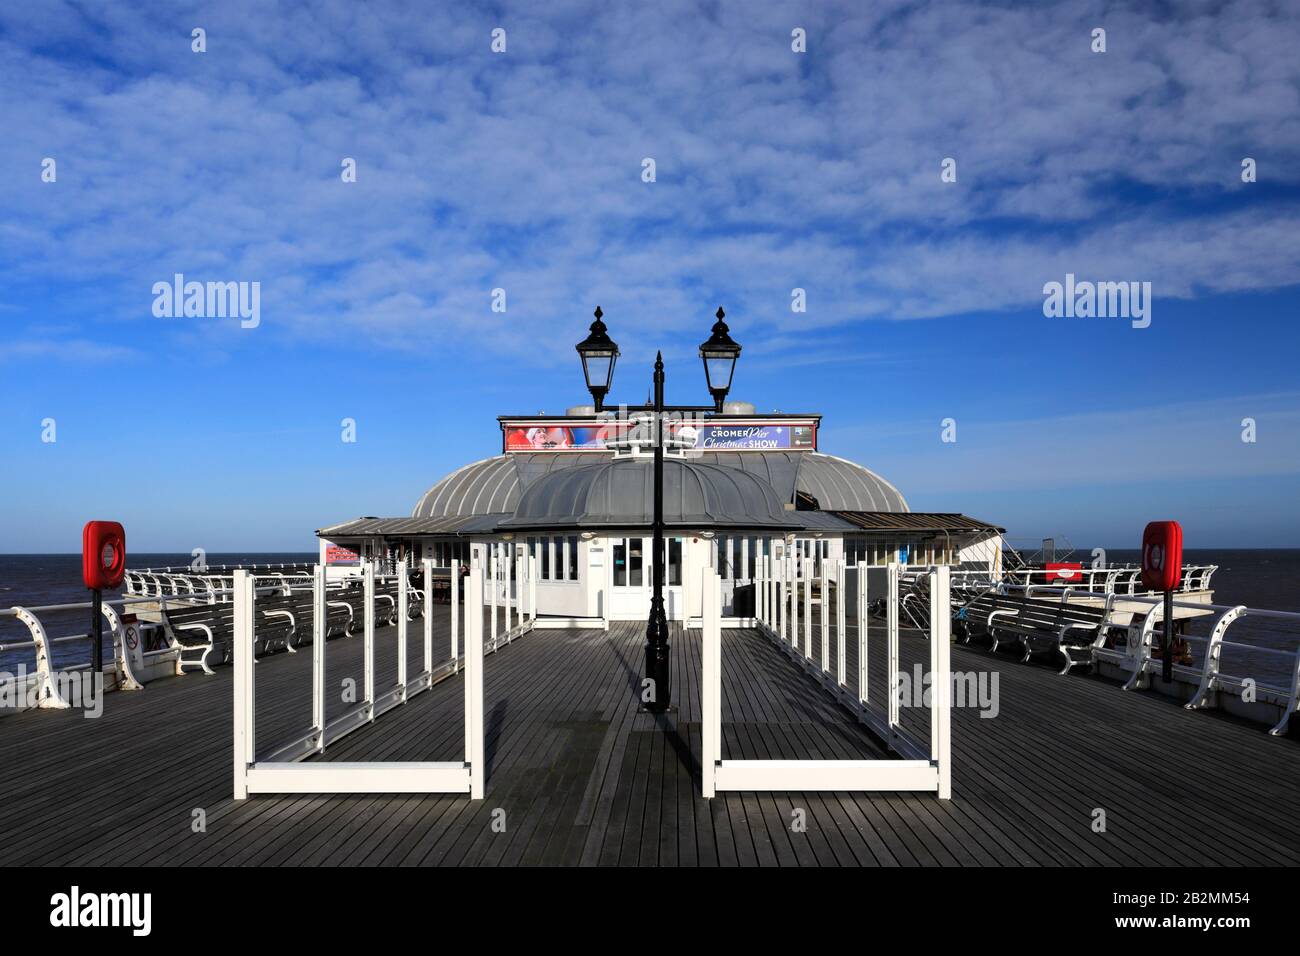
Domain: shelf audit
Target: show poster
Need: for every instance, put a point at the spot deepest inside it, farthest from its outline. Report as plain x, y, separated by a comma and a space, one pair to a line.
755, 436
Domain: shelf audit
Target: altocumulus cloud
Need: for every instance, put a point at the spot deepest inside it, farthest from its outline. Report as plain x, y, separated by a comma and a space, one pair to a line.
522, 170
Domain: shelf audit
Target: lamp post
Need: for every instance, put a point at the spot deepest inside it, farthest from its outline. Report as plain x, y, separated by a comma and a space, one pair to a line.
599, 353
657, 659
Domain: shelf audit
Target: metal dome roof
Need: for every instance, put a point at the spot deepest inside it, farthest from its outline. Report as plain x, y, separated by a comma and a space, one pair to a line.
495, 485
840, 485
620, 492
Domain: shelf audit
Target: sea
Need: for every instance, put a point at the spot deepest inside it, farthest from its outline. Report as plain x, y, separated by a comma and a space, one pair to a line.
1257, 578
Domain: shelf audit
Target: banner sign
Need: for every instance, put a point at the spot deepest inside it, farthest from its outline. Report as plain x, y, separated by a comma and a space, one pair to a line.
337, 554
1070, 572
747, 436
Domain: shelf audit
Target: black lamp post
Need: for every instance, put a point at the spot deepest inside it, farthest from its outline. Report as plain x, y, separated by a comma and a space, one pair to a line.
598, 353
657, 660
719, 354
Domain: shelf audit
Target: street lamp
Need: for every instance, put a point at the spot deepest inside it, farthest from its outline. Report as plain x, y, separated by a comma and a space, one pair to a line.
598, 353
719, 354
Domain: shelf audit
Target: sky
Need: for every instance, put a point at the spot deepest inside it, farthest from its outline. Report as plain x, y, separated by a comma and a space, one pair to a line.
920, 171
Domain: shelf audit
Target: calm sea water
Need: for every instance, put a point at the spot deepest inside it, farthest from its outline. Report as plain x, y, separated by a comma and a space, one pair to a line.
1256, 578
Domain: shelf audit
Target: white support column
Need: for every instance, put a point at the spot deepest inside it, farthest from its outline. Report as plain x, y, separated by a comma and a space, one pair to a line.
826, 616
403, 586
807, 607
941, 678
864, 627
891, 637
320, 631
841, 636
532, 588
455, 615
474, 683
427, 564
245, 688
711, 679
369, 639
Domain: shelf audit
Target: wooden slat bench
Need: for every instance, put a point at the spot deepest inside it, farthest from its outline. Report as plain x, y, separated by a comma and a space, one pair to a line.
1037, 624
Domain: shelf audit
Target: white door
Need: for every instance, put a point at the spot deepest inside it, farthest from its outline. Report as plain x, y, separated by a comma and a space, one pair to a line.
631, 580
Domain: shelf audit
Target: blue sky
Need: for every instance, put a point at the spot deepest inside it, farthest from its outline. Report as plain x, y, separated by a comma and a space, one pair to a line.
522, 170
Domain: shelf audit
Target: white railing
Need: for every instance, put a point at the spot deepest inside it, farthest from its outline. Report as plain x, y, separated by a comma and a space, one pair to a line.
1138, 655
283, 770
779, 584
1126, 579
168, 583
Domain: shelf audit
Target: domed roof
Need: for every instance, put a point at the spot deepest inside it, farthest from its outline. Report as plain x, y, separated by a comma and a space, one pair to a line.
494, 486
620, 491
841, 485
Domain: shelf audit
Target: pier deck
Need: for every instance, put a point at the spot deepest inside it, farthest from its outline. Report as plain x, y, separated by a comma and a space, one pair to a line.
582, 777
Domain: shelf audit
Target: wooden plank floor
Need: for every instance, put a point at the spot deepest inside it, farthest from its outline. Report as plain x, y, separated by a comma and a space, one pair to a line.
578, 775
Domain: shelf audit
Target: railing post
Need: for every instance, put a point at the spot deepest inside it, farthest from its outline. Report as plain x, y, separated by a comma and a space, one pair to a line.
519, 584
474, 682
941, 678
841, 652
403, 585
826, 616
506, 567
455, 615
532, 591
368, 583
864, 618
244, 681
492, 589
891, 637
807, 607
710, 679
1213, 648
782, 567
320, 630
48, 695
427, 565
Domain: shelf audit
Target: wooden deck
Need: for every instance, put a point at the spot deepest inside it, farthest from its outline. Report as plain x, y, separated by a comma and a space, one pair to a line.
583, 778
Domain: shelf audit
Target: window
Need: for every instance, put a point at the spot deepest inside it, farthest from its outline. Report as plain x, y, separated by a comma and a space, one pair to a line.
634, 547
546, 559
620, 564
674, 562
573, 557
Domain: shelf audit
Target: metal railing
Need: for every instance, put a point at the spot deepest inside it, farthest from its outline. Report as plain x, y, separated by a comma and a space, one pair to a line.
1139, 657
1124, 579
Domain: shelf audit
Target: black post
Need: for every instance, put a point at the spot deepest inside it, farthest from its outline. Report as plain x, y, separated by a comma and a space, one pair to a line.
1167, 641
97, 653
656, 631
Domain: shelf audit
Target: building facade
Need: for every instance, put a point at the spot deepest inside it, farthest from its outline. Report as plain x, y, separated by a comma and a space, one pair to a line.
575, 493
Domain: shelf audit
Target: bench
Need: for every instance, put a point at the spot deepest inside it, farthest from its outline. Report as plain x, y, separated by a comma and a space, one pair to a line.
1038, 624
201, 632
